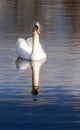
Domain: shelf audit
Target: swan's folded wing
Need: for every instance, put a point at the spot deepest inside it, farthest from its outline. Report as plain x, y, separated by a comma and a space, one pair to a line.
23, 49
29, 42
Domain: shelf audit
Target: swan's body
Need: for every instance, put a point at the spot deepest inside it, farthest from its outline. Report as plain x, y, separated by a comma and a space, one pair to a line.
31, 48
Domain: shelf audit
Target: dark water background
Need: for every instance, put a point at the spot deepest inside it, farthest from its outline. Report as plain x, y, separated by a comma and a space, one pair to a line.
58, 104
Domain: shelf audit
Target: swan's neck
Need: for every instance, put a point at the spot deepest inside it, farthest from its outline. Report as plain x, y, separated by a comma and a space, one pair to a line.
35, 42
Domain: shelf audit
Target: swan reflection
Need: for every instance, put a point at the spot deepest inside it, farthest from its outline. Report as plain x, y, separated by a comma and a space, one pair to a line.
22, 64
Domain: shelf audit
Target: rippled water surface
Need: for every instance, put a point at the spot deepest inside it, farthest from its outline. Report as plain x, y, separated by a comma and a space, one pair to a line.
56, 105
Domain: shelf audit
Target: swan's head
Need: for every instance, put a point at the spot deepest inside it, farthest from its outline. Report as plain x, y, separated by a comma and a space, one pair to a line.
36, 28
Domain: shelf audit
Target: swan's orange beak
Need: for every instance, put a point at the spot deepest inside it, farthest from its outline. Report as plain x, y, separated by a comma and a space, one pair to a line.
38, 31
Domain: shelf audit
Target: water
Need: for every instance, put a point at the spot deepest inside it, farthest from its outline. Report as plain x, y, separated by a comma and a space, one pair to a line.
57, 105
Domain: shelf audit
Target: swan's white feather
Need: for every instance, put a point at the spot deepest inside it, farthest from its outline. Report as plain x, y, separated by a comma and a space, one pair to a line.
24, 50
29, 42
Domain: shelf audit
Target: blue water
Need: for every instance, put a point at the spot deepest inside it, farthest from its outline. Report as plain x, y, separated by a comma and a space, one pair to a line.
57, 105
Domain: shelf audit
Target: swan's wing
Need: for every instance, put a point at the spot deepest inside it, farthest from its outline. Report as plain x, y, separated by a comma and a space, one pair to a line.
29, 42
41, 52
23, 48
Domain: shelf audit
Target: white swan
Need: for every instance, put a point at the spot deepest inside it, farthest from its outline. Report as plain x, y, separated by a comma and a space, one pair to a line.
31, 48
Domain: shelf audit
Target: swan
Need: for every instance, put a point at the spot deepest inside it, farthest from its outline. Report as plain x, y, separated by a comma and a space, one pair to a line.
31, 48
